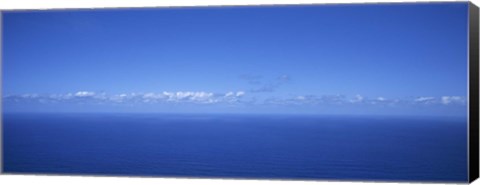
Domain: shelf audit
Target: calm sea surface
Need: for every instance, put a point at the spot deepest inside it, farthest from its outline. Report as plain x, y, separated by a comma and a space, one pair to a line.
237, 146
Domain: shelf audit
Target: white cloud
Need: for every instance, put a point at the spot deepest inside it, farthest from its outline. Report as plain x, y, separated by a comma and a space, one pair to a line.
183, 96
118, 98
201, 97
300, 97
424, 99
358, 99
427, 100
84, 94
331, 99
229, 94
262, 86
240, 93
452, 100
229, 97
169, 95
30, 96
68, 96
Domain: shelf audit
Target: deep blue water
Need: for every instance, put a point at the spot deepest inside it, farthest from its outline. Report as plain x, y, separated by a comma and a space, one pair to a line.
237, 146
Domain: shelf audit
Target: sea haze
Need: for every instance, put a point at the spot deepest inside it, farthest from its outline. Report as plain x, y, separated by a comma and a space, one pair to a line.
237, 146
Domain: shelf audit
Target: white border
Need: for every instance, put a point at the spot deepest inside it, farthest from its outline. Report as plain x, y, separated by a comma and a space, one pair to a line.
63, 4
468, 93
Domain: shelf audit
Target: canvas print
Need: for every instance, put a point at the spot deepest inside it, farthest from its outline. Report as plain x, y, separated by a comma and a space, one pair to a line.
374, 92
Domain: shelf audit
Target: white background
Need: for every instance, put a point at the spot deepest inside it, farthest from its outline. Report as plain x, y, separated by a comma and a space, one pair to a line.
89, 180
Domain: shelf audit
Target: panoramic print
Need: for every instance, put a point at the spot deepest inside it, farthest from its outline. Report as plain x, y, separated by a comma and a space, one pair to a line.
309, 92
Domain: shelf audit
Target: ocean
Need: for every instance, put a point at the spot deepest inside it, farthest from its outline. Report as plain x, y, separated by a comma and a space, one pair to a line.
304, 147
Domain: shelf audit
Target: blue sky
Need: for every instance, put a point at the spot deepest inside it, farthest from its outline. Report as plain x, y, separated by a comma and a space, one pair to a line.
330, 59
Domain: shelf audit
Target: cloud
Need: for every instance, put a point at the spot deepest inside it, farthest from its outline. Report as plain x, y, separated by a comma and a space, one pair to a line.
357, 99
230, 97
84, 94
425, 100
179, 97
333, 99
452, 100
265, 88
30, 95
252, 79
341, 100
261, 85
229, 94
443, 100
308, 100
118, 98
300, 98
240, 93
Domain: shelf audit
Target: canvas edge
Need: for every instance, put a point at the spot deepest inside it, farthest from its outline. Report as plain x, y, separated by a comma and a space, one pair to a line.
1, 95
473, 103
